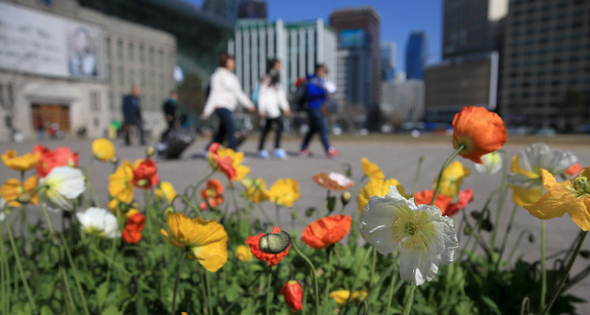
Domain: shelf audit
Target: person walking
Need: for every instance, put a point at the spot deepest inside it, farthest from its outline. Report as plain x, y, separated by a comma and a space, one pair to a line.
271, 101
169, 109
225, 94
132, 115
315, 98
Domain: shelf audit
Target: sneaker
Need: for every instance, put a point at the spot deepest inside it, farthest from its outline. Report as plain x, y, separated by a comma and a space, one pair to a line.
280, 153
305, 153
264, 154
332, 153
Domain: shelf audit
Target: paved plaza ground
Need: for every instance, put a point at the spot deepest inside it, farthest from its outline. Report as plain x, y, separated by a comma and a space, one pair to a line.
396, 155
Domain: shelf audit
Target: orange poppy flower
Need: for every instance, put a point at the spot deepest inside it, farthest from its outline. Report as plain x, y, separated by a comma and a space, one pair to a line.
212, 194
12, 189
425, 197
272, 259
144, 174
293, 294
61, 156
480, 130
133, 227
326, 231
333, 181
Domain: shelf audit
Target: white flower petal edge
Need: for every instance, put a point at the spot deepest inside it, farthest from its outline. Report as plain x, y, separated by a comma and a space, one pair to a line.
340, 179
63, 184
426, 238
492, 163
539, 155
99, 221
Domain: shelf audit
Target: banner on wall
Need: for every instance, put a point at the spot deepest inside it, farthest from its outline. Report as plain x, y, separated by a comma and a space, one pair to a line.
43, 44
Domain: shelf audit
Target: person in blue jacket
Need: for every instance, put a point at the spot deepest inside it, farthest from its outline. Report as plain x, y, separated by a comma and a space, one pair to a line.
315, 97
132, 115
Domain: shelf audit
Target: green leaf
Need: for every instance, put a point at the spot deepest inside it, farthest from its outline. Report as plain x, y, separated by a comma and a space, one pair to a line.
493, 307
331, 203
112, 310
101, 294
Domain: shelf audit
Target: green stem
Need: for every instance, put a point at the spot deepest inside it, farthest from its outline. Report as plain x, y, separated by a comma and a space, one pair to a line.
68, 290
391, 290
508, 229
5, 285
209, 294
296, 215
329, 274
278, 215
20, 266
89, 183
75, 273
325, 204
409, 300
188, 202
417, 176
440, 174
543, 267
517, 243
246, 290
501, 201
353, 288
268, 293
373, 268
266, 217
176, 283
312, 271
566, 273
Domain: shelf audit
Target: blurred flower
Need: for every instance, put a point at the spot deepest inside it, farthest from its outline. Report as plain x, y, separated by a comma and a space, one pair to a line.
243, 253
293, 294
99, 222
121, 183
333, 181
272, 259
465, 197
103, 149
341, 296
377, 188
492, 163
3, 211
425, 197
61, 186
326, 231
12, 189
256, 190
452, 179
205, 241
284, 192
145, 174
165, 191
212, 194
571, 196
61, 156
133, 227
227, 161
371, 170
574, 169
424, 236
345, 197
20, 163
480, 130
525, 172
149, 151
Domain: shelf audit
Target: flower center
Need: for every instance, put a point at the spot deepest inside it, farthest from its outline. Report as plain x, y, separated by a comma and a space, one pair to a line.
410, 228
581, 187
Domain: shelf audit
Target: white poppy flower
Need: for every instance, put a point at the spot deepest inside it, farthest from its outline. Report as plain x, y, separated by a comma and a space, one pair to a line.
425, 238
98, 221
341, 179
492, 163
61, 186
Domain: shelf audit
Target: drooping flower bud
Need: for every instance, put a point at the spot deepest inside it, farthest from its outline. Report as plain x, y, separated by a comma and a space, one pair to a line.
149, 151
24, 198
345, 197
274, 243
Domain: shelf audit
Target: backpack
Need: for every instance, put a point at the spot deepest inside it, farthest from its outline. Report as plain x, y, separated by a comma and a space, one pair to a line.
299, 100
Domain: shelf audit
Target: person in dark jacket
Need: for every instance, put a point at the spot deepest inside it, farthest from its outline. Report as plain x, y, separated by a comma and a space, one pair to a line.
169, 109
132, 115
315, 97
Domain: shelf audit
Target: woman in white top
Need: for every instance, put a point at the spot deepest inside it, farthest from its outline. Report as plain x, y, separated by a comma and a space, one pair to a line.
271, 101
225, 95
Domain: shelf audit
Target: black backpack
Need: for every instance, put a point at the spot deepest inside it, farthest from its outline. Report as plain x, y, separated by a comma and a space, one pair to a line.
299, 99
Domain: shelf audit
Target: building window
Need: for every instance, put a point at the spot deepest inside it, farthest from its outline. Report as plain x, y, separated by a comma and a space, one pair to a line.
121, 75
141, 53
94, 101
107, 72
152, 79
131, 51
161, 81
131, 76
142, 77
111, 101
107, 46
151, 55
119, 49
153, 104
161, 58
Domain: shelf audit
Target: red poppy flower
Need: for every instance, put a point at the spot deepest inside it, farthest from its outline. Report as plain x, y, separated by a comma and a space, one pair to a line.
425, 197
465, 197
272, 259
144, 174
212, 194
574, 169
133, 227
61, 156
480, 130
293, 295
326, 231
224, 164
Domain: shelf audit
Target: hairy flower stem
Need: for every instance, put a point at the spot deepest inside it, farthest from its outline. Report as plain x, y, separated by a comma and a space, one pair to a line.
268, 293
565, 274
329, 273
353, 288
5, 284
503, 194
266, 217
209, 294
176, 283
20, 266
391, 291
325, 205
409, 300
543, 267
68, 290
75, 273
278, 215
508, 229
89, 182
417, 176
461, 147
188, 203
312, 271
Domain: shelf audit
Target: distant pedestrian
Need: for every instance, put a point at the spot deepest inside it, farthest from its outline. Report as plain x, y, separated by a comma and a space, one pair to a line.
315, 99
39, 126
132, 115
271, 101
225, 94
169, 109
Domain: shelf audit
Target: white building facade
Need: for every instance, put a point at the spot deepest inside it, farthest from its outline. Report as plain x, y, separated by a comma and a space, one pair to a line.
405, 99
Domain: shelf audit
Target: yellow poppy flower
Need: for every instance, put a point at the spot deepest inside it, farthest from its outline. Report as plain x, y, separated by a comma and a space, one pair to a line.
20, 163
571, 196
371, 170
205, 241
379, 188
165, 191
256, 190
236, 162
103, 149
452, 179
13, 188
284, 192
120, 183
243, 253
341, 296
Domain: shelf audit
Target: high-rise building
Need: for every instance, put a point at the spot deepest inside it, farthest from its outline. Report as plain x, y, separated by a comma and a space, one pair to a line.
402, 101
252, 9
367, 20
472, 26
353, 78
546, 69
298, 45
416, 55
388, 55
223, 9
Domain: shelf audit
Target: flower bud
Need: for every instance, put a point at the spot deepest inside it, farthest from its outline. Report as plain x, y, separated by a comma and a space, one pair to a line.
309, 212
585, 254
531, 238
345, 197
168, 209
274, 243
293, 295
115, 160
149, 151
24, 198
134, 205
